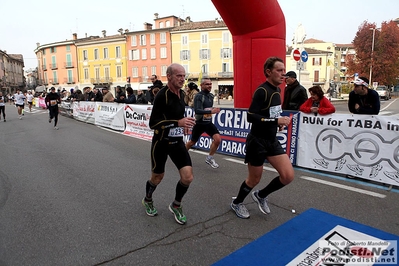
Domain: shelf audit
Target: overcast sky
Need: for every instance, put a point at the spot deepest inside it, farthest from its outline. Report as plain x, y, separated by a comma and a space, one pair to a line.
22, 25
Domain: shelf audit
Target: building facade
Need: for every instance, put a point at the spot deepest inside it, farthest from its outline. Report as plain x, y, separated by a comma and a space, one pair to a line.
11, 72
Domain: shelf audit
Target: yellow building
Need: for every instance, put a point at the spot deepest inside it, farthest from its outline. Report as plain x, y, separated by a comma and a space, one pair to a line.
204, 47
102, 61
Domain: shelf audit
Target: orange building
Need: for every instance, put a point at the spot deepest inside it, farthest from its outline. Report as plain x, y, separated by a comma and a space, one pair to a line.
149, 51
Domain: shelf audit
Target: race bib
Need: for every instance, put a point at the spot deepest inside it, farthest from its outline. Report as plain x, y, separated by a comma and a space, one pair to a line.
53, 102
207, 117
176, 132
275, 111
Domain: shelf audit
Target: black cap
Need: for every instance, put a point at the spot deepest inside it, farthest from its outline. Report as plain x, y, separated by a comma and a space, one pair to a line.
291, 74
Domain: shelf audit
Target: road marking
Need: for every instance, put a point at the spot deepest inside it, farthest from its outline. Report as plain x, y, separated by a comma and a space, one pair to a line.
388, 105
367, 192
242, 162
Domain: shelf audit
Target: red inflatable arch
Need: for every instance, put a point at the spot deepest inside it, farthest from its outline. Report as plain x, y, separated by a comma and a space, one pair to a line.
258, 29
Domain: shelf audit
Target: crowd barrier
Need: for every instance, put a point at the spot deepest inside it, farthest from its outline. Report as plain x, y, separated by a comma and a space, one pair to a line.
362, 146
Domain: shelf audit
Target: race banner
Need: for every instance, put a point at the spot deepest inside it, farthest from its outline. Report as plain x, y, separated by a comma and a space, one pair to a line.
357, 145
110, 115
137, 117
66, 109
84, 111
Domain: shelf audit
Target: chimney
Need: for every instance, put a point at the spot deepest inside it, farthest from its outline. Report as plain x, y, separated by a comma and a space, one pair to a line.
188, 19
147, 26
104, 33
156, 15
74, 36
86, 34
38, 44
120, 31
216, 20
127, 30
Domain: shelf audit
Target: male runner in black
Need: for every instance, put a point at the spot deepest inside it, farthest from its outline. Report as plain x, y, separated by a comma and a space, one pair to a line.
264, 114
169, 125
52, 100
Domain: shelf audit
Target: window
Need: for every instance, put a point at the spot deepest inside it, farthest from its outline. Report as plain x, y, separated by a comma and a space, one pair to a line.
225, 67
225, 53
134, 40
185, 68
143, 39
316, 76
118, 52
68, 48
44, 51
45, 78
204, 38
152, 38
184, 39
106, 72
144, 71
118, 71
185, 55
160, 25
86, 73
204, 68
167, 24
105, 53
70, 76
153, 52
153, 70
317, 61
226, 37
97, 72
53, 62
143, 54
55, 78
163, 70
52, 50
96, 57
85, 57
163, 52
134, 55
135, 72
68, 60
205, 54
162, 37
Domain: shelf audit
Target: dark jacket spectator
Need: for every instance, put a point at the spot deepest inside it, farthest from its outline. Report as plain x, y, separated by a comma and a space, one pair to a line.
141, 99
131, 98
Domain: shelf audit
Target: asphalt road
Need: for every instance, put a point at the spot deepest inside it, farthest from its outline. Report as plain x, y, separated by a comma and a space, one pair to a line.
73, 197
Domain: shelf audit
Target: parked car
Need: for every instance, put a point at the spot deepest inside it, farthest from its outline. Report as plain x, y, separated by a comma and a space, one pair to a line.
384, 92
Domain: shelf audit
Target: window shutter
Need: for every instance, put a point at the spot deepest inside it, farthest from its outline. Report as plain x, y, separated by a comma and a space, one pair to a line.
320, 61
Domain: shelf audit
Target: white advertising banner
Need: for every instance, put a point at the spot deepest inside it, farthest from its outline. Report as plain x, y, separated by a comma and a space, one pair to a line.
358, 145
137, 117
110, 115
84, 111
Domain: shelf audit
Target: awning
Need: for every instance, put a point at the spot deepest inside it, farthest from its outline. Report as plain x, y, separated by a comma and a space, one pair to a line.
225, 82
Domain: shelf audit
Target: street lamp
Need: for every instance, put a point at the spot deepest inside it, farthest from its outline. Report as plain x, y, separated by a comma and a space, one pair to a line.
372, 54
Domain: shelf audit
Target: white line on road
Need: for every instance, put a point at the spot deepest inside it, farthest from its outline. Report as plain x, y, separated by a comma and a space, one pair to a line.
367, 192
388, 105
242, 162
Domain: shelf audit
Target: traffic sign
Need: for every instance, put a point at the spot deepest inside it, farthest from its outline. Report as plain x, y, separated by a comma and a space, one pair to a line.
297, 55
304, 56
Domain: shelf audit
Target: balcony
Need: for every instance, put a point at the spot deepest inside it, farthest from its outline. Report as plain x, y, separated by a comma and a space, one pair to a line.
68, 65
53, 66
69, 80
101, 81
216, 75
44, 67
225, 74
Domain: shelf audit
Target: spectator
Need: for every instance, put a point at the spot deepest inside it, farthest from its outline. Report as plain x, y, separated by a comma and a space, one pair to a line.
317, 103
141, 99
80, 97
97, 95
131, 98
363, 100
119, 95
107, 95
156, 83
295, 94
88, 94
191, 91
155, 91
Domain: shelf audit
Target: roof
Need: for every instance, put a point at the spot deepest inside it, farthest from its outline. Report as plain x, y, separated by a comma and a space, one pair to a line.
308, 50
200, 25
311, 40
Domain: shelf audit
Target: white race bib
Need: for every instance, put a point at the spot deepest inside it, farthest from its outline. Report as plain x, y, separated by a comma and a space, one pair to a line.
176, 132
275, 111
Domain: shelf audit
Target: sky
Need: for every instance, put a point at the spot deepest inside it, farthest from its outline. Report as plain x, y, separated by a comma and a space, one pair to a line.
23, 24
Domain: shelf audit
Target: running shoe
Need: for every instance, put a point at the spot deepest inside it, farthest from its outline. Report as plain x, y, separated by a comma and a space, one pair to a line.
323, 163
340, 164
392, 175
56, 128
262, 202
355, 168
49, 120
375, 170
211, 162
240, 210
149, 208
178, 213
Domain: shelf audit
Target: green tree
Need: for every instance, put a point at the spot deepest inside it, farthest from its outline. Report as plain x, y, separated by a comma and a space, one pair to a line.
384, 59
